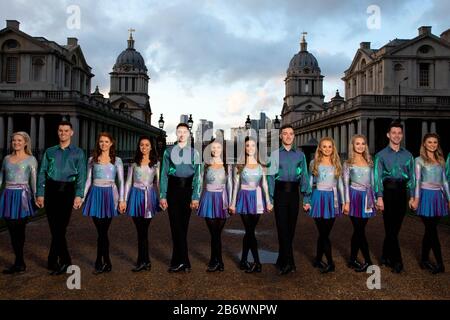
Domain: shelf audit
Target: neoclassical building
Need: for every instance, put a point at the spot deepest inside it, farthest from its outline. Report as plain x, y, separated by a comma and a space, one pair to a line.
43, 82
406, 78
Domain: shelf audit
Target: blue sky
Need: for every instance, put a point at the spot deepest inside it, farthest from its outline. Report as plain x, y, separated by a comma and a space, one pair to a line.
222, 60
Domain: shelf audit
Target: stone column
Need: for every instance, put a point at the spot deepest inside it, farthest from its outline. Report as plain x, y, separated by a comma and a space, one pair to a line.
2, 132
41, 145
336, 138
433, 127
344, 141
424, 128
76, 129
372, 136
33, 131
351, 130
85, 135
91, 135
10, 131
362, 126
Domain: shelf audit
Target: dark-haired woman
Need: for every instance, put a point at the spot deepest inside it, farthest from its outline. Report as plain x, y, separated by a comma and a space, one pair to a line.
250, 200
432, 198
141, 194
103, 197
214, 202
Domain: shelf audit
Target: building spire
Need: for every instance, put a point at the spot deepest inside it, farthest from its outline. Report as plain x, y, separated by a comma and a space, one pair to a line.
130, 39
304, 44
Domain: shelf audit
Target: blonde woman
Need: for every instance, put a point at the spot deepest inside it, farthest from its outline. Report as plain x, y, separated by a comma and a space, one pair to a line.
327, 198
18, 177
359, 198
432, 198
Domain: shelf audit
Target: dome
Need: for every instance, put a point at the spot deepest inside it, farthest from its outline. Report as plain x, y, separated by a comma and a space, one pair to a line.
303, 60
132, 58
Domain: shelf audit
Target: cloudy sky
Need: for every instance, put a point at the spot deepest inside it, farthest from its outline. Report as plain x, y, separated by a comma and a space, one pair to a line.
221, 60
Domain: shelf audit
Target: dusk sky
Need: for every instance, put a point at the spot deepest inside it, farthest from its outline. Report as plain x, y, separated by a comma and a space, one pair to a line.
222, 60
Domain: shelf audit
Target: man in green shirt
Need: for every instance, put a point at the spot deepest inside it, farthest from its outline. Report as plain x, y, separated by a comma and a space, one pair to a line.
60, 189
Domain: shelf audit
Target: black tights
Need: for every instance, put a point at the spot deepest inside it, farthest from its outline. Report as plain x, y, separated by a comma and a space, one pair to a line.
324, 227
102, 226
431, 239
359, 241
215, 227
142, 225
249, 243
16, 230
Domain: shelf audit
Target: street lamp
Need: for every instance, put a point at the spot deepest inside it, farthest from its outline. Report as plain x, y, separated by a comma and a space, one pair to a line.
248, 123
399, 97
276, 123
161, 122
190, 123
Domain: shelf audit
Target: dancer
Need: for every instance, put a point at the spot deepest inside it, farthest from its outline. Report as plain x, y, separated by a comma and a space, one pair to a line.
61, 181
359, 198
141, 192
180, 193
394, 181
17, 195
287, 178
250, 202
214, 202
103, 198
327, 198
432, 198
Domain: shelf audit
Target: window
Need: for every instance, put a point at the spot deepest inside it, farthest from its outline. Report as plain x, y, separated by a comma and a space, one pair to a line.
306, 86
66, 75
37, 69
424, 75
120, 84
126, 84
133, 84
11, 69
363, 83
370, 84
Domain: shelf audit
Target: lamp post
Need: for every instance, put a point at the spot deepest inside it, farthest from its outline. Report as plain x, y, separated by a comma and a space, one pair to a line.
399, 97
190, 123
161, 139
248, 125
276, 123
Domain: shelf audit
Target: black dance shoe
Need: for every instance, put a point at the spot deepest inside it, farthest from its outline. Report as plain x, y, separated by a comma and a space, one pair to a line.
179, 268
15, 269
329, 268
255, 267
319, 264
148, 266
363, 267
386, 262
438, 269
244, 265
140, 267
397, 267
354, 264
286, 269
62, 269
213, 267
427, 265
107, 267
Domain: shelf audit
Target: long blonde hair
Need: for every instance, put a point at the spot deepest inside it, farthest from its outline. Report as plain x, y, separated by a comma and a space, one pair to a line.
335, 159
351, 151
27, 139
438, 154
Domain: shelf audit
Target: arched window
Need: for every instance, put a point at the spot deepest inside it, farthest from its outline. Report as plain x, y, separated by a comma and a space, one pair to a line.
12, 65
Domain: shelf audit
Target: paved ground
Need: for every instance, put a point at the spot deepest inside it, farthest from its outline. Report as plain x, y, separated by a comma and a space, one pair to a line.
307, 283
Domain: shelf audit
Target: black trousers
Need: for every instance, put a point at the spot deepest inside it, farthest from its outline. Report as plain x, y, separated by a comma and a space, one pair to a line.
59, 198
359, 240
16, 230
324, 226
215, 227
249, 242
395, 199
286, 207
179, 195
142, 224
431, 239
102, 226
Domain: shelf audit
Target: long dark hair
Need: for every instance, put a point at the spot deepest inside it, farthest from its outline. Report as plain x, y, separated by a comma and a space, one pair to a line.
241, 166
97, 151
153, 156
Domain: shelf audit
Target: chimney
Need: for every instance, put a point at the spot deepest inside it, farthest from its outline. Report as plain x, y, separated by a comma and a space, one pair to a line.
424, 30
13, 24
364, 45
72, 42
